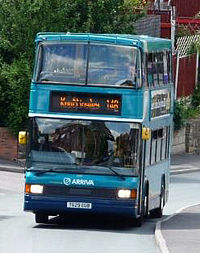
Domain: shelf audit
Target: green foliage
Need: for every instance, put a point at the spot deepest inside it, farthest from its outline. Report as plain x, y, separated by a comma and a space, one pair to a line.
195, 100
194, 48
183, 30
20, 20
15, 80
179, 119
185, 110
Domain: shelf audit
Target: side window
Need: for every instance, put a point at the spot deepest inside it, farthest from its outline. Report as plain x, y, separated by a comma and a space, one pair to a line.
159, 68
166, 73
156, 146
167, 142
169, 65
153, 148
155, 70
149, 69
159, 145
163, 144
150, 153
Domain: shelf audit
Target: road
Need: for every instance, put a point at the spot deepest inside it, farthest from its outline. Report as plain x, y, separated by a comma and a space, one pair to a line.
19, 233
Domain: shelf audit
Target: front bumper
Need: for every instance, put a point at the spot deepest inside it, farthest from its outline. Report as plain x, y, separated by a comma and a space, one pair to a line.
57, 205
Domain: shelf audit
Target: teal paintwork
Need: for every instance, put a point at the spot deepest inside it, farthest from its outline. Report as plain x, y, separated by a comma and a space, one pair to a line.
146, 43
132, 100
100, 181
136, 105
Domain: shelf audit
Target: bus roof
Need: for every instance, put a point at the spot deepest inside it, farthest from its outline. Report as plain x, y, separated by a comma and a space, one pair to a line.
148, 44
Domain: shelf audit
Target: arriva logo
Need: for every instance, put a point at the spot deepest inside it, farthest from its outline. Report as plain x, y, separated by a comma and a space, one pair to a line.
69, 181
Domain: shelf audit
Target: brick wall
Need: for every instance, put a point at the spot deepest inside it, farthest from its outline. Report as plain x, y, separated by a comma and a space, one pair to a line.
8, 144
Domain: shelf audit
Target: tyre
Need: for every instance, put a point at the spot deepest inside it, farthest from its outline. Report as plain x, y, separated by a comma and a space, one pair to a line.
158, 212
146, 205
144, 211
41, 218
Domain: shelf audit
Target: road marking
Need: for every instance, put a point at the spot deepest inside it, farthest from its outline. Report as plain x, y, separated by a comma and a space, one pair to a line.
181, 169
185, 166
160, 240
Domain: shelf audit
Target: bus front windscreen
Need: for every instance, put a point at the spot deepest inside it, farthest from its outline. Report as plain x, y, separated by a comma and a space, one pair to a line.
92, 64
84, 146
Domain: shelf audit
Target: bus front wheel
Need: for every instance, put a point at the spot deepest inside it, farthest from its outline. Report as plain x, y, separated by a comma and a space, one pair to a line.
41, 218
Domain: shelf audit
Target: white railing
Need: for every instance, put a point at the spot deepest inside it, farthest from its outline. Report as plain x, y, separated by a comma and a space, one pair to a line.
183, 44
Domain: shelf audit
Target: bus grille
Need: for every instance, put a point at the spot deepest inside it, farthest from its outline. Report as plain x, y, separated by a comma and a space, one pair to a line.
50, 190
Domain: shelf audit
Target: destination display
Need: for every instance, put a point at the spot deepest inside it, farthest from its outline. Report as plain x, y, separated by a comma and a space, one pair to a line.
160, 103
85, 103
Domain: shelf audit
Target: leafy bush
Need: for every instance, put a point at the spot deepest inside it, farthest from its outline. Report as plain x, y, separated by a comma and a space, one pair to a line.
20, 20
185, 110
195, 100
15, 82
179, 116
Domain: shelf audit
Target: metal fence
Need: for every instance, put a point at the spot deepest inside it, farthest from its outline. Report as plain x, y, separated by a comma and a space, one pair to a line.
149, 25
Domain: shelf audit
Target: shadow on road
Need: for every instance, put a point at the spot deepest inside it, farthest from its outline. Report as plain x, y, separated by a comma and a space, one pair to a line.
99, 223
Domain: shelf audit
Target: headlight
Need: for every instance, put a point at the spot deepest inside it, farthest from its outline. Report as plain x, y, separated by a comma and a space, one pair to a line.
34, 188
127, 194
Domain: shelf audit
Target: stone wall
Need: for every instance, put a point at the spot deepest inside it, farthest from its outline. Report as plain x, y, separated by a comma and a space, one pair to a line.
193, 136
8, 144
178, 145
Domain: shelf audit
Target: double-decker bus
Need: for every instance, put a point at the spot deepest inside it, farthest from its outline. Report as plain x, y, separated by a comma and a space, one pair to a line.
101, 108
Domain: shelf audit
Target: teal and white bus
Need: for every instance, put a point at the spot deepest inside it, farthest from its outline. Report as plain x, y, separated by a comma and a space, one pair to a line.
101, 109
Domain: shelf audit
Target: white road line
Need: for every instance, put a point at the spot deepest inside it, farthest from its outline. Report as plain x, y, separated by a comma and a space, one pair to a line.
183, 166
160, 240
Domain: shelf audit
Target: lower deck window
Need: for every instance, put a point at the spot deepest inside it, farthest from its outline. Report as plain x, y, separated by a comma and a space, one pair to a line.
91, 144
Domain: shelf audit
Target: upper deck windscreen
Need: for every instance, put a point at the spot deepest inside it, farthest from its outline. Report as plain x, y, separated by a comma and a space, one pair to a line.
92, 64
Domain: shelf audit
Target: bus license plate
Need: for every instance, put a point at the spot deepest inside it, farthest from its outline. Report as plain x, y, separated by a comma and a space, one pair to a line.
79, 205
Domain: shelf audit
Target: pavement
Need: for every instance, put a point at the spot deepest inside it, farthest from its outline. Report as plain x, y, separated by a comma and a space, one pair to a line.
174, 234
180, 232
11, 166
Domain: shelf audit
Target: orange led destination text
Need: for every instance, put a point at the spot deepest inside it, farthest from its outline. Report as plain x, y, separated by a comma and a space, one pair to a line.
112, 103
76, 102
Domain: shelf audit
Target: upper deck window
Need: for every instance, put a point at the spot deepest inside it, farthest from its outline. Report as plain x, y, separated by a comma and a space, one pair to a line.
92, 64
159, 68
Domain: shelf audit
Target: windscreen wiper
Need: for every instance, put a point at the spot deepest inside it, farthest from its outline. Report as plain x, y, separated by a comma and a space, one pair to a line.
110, 157
44, 80
116, 173
125, 82
44, 171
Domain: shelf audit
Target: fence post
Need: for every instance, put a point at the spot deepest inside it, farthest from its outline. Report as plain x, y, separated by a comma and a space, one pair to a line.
197, 69
177, 73
173, 27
